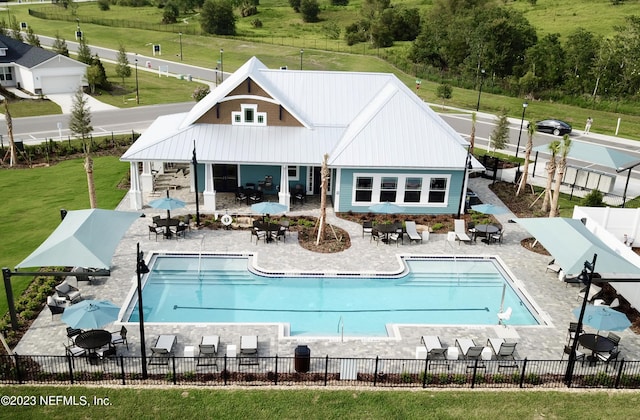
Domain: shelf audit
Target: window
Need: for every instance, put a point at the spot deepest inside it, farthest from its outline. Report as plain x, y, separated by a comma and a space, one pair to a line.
412, 190
364, 189
249, 115
388, 189
437, 190
6, 73
293, 173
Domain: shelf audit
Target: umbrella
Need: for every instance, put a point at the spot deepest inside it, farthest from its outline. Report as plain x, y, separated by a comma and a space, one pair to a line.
386, 208
603, 318
85, 238
267, 207
490, 209
90, 314
167, 203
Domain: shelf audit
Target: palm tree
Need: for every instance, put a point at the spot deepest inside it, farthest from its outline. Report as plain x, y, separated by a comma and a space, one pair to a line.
531, 130
472, 136
551, 171
324, 175
13, 155
564, 148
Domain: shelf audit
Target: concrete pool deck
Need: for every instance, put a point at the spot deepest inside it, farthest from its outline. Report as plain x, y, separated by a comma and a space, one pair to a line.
555, 298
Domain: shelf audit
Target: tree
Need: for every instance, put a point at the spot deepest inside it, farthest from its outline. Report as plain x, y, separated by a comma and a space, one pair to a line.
444, 92
200, 92
551, 171
122, 66
531, 130
60, 46
295, 5
97, 76
15, 29
309, 10
217, 17
84, 51
499, 137
170, 13
546, 60
32, 38
13, 155
80, 126
565, 146
472, 136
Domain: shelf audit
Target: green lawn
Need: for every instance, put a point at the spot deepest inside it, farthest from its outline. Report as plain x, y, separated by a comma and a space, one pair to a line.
321, 404
34, 197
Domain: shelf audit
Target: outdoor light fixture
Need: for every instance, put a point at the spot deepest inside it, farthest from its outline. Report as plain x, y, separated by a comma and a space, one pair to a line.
586, 276
180, 34
141, 269
194, 161
301, 52
221, 66
524, 108
137, 91
482, 74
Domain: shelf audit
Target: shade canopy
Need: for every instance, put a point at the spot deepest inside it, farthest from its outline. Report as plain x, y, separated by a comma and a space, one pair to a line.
85, 238
490, 209
571, 244
595, 153
603, 318
386, 208
267, 207
90, 314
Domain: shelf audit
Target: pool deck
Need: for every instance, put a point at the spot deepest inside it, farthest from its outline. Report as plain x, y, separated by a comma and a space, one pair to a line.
555, 298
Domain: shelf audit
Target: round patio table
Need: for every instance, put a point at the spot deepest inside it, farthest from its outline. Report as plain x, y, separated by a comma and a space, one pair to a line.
596, 343
93, 339
485, 230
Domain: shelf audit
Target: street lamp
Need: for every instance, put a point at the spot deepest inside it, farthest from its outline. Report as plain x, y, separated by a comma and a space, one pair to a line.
482, 73
524, 108
301, 52
141, 269
586, 277
221, 66
137, 91
194, 161
180, 34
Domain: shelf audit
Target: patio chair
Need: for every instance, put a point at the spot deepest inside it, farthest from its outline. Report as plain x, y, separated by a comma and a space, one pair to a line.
578, 355
255, 196
376, 236
155, 219
179, 231
552, 266
73, 350
615, 338
209, 345
497, 237
412, 232
503, 351
155, 230
248, 350
258, 234
469, 350
56, 307
279, 234
571, 332
72, 333
120, 337
72, 294
161, 352
241, 196
434, 347
367, 227
593, 292
299, 194
82, 277
609, 357
394, 237
461, 231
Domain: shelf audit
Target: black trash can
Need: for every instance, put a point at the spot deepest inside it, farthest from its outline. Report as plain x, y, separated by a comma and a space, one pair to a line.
302, 359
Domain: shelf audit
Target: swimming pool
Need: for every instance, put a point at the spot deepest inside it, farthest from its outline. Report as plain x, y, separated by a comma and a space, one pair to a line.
222, 289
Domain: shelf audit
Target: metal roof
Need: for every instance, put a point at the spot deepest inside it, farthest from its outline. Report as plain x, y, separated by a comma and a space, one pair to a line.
595, 153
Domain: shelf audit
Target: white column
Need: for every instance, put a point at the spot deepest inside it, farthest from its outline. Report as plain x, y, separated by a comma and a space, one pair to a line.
135, 194
209, 193
284, 195
146, 179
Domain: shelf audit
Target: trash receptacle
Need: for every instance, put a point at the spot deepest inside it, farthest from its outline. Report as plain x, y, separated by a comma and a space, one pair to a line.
302, 359
189, 78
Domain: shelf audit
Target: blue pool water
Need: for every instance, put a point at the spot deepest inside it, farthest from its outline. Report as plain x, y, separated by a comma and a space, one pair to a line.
433, 291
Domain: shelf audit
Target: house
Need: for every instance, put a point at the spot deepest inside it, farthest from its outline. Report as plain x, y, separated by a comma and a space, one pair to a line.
37, 70
270, 128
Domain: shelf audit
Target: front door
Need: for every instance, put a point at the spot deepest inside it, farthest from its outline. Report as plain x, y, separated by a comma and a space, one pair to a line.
225, 178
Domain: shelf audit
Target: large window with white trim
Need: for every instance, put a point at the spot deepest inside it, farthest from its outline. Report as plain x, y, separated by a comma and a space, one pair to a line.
409, 189
248, 115
6, 73
293, 173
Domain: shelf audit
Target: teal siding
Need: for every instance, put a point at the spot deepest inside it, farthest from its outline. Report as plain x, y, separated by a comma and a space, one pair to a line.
257, 173
454, 190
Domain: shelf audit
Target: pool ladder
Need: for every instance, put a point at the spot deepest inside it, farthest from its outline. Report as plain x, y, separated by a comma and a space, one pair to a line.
341, 328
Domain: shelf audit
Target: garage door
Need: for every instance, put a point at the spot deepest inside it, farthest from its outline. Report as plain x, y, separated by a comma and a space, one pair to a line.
60, 84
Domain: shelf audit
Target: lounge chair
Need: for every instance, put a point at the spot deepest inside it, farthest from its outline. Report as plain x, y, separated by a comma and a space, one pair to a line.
412, 232
593, 291
434, 347
162, 350
461, 231
552, 266
56, 307
82, 277
209, 345
72, 294
504, 316
120, 337
503, 351
469, 349
248, 350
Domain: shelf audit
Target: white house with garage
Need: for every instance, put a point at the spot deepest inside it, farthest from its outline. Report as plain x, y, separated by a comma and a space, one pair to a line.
38, 71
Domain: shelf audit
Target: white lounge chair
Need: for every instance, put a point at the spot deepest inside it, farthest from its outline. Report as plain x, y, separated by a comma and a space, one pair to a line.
460, 228
209, 345
248, 350
469, 349
552, 266
434, 346
412, 232
162, 350
503, 351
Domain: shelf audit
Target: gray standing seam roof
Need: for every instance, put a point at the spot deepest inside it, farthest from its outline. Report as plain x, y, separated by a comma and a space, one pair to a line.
23, 54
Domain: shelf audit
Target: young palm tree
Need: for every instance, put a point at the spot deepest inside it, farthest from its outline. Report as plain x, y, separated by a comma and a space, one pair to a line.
324, 172
13, 154
531, 130
472, 136
565, 146
551, 171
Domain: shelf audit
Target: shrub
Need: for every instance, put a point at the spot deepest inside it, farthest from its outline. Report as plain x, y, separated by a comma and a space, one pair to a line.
256, 23
200, 92
437, 226
309, 10
593, 199
103, 5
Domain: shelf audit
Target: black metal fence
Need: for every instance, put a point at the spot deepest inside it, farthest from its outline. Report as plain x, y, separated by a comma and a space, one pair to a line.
317, 371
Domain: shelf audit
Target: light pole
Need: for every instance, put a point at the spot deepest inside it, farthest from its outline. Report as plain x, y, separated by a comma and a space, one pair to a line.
586, 277
524, 108
137, 91
180, 34
141, 269
480, 90
221, 66
301, 52
194, 161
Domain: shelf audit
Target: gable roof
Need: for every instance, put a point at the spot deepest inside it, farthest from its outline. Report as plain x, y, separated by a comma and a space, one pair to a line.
360, 119
23, 54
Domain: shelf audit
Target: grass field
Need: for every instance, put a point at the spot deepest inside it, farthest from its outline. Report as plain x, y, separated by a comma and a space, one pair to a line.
320, 404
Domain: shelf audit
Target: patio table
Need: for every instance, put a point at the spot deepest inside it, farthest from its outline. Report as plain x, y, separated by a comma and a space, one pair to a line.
166, 223
597, 344
93, 339
485, 231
